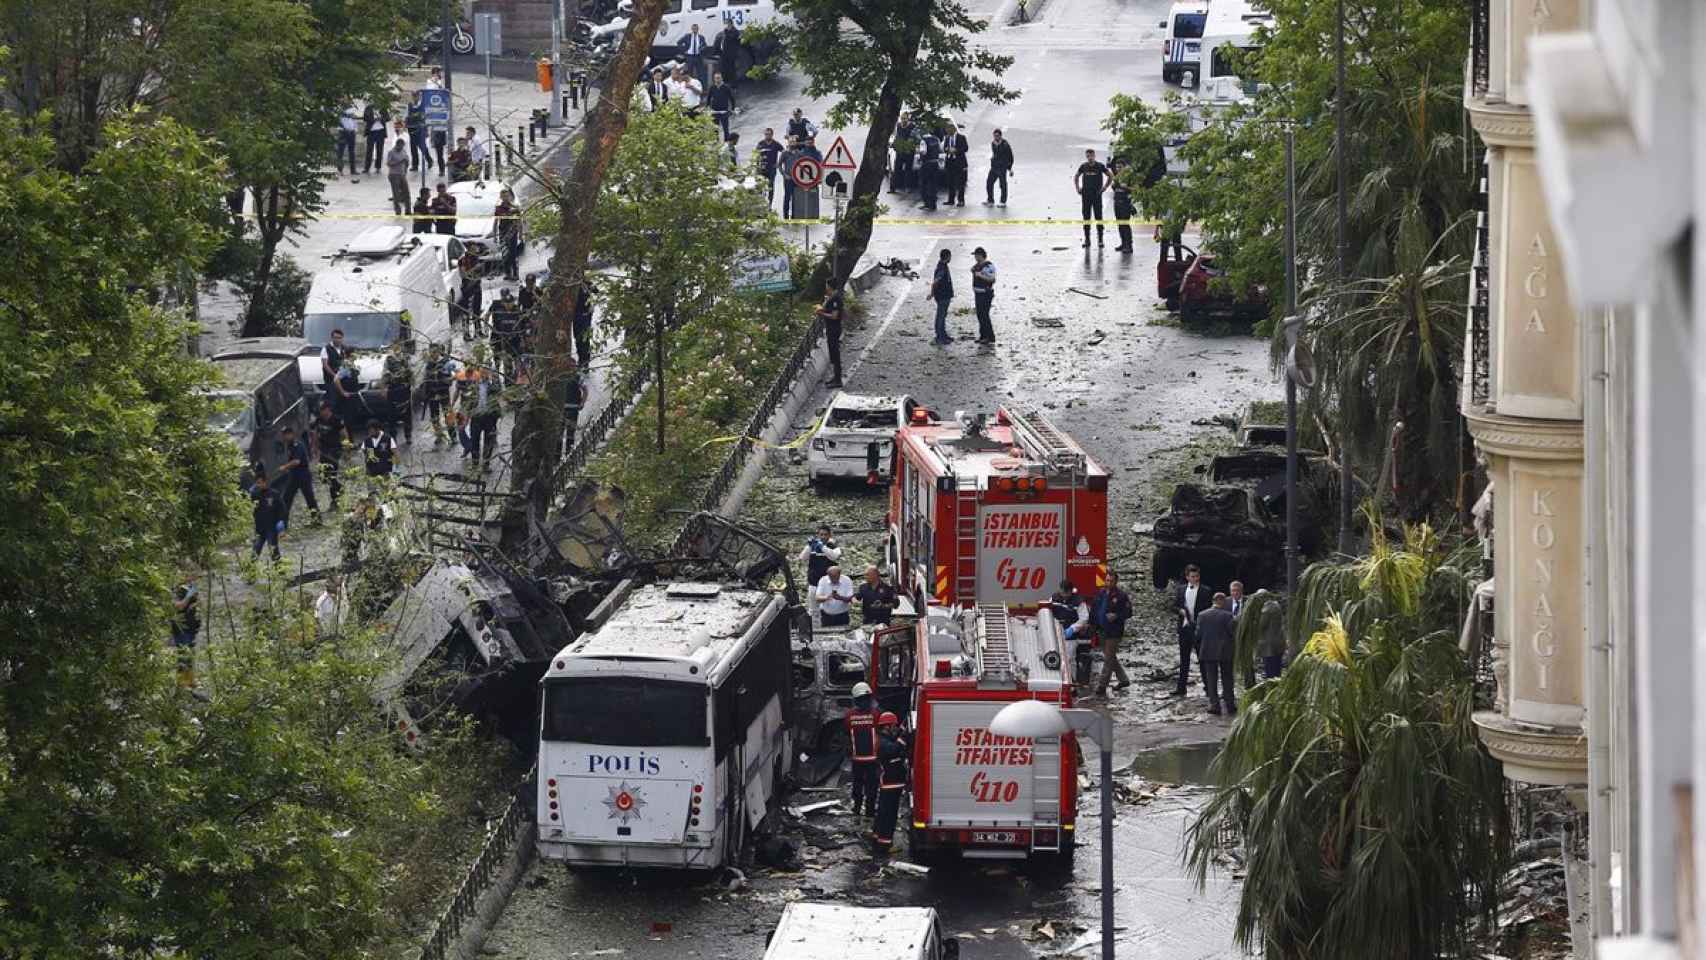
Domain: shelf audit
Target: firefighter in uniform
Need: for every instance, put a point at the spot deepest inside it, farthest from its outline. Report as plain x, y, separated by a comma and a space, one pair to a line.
891, 756
862, 734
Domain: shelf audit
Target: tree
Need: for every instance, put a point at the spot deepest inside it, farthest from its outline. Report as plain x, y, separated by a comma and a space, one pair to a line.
1374, 823
903, 54
536, 437
1409, 202
674, 226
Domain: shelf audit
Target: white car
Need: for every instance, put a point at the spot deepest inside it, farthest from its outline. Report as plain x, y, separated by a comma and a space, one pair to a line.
476, 217
856, 436
831, 931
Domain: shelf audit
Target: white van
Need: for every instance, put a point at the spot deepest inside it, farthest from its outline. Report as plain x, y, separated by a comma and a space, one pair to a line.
1181, 44
679, 16
829, 931
1231, 27
386, 285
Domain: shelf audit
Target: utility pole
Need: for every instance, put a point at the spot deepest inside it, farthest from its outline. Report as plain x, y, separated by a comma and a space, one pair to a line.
447, 31
1345, 486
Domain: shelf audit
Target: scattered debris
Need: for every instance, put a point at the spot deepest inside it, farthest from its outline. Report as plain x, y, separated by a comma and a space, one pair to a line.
902, 866
1048, 322
1096, 339
1094, 296
778, 853
733, 879
807, 809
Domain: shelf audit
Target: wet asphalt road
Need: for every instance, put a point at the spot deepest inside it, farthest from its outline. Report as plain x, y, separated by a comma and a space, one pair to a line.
1080, 335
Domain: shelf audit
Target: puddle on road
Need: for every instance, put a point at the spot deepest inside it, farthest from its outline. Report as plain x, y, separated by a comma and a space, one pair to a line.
1186, 764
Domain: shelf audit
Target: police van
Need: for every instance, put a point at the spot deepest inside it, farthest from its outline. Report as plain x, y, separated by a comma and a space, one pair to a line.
386, 286
663, 734
1230, 38
1181, 45
712, 16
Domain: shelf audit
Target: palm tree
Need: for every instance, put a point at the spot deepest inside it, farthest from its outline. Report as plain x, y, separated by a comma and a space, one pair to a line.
1374, 823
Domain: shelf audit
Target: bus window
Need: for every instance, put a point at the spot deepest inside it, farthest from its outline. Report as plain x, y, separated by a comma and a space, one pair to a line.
625, 712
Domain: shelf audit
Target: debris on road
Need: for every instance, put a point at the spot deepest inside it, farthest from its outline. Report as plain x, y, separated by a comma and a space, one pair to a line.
1051, 323
902, 866
1096, 339
807, 809
1096, 296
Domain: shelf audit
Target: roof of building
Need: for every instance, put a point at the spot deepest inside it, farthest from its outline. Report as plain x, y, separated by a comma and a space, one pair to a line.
830, 931
699, 622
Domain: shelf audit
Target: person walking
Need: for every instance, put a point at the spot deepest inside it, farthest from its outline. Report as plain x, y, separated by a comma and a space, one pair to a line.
929, 169
415, 122
1000, 168
877, 599
768, 153
373, 121
422, 211
820, 553
508, 214
728, 47
1270, 638
835, 598
832, 312
861, 723
904, 174
295, 477
789, 155
1090, 181
506, 332
397, 174
1109, 612
892, 751
478, 398
399, 381
721, 99
378, 451
693, 52
1190, 600
942, 291
731, 150
443, 207
328, 436
956, 164
268, 516
1214, 652
983, 293
435, 383
348, 123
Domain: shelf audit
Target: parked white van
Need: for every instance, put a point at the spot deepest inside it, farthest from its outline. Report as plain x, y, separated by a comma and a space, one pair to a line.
385, 286
1231, 28
1181, 41
679, 16
830, 931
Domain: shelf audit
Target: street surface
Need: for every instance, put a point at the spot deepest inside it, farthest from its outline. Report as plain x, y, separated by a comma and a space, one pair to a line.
1081, 335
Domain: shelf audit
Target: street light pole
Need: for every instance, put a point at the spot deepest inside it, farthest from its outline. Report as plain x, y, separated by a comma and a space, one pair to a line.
1036, 719
1290, 378
1344, 277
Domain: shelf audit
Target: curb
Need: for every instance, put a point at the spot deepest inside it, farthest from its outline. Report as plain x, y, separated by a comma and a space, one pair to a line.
492, 903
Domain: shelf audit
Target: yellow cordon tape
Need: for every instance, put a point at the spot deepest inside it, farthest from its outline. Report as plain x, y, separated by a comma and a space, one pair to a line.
820, 221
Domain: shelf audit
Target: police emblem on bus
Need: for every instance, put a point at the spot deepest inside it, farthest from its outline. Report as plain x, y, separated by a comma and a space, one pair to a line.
624, 802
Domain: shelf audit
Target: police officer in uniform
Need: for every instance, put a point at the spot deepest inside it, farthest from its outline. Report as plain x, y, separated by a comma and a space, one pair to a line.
574, 398
862, 735
329, 448
1090, 181
506, 332
400, 392
891, 756
378, 451
905, 153
436, 382
1124, 208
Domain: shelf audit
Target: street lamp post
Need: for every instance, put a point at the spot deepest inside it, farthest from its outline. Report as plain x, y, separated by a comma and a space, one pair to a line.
1290, 377
1036, 719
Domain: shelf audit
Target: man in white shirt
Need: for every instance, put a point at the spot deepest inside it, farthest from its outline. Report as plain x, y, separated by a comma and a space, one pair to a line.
835, 598
348, 123
1189, 600
476, 150
686, 91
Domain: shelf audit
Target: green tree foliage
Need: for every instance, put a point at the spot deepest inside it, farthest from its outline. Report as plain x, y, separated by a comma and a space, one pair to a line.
1374, 823
674, 224
900, 54
1390, 330
136, 820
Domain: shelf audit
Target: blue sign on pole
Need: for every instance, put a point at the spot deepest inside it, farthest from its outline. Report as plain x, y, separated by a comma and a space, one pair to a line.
436, 104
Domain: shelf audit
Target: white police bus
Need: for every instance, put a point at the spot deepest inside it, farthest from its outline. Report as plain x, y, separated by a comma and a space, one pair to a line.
663, 734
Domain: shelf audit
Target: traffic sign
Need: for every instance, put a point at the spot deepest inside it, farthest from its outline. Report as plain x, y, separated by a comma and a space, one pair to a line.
806, 172
839, 157
435, 104
488, 34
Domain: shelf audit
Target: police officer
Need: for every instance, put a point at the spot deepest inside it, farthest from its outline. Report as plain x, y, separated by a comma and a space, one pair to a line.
768, 151
378, 451
436, 381
983, 293
862, 735
821, 553
506, 332
329, 448
268, 514
891, 757
832, 311
905, 155
574, 398
352, 406
400, 392
583, 325
296, 476
1124, 209
1090, 181
929, 169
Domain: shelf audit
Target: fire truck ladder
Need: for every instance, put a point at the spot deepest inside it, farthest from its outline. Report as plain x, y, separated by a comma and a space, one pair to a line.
995, 650
1045, 794
965, 538
1040, 438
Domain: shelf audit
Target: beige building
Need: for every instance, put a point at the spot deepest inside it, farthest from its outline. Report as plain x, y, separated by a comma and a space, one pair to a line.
1585, 393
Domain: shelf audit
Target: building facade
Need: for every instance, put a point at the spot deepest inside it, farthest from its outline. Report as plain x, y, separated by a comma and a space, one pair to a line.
1584, 396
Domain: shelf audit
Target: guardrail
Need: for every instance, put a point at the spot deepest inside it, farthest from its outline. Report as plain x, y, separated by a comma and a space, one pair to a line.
484, 870
1480, 46
735, 462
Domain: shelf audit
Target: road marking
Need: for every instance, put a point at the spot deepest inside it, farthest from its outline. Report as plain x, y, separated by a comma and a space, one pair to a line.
894, 312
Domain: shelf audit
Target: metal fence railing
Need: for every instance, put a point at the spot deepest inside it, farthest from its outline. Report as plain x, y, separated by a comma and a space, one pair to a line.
735, 462
484, 870
1480, 45
1480, 370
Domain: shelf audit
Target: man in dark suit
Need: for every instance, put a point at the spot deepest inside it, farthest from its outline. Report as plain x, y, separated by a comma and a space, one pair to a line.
1214, 649
693, 48
1189, 600
956, 165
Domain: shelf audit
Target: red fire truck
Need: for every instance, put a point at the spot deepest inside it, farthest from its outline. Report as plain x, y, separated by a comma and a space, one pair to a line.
975, 793
997, 512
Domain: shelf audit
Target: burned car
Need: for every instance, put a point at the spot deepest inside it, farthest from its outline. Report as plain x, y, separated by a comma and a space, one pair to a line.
854, 438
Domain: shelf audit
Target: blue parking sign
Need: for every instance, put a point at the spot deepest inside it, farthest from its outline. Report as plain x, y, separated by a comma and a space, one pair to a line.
436, 104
